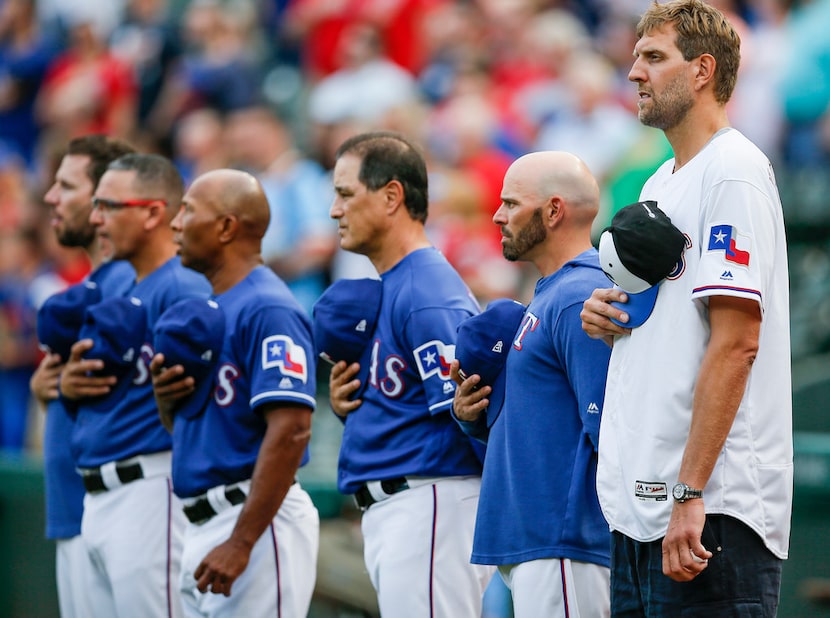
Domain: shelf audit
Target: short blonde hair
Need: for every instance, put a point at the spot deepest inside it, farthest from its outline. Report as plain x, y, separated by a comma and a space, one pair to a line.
701, 29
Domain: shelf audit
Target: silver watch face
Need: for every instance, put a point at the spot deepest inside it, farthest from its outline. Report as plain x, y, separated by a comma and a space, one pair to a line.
679, 491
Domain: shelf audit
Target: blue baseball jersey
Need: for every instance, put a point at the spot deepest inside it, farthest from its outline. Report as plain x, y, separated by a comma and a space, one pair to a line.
539, 479
267, 356
63, 486
125, 423
403, 427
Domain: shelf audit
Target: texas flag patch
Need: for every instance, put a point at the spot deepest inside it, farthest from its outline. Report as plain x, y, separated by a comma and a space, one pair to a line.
434, 357
280, 351
734, 245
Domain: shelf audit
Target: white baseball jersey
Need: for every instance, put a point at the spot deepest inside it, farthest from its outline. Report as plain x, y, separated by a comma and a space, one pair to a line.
726, 202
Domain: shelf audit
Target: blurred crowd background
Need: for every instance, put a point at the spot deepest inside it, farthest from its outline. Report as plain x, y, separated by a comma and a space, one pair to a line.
274, 86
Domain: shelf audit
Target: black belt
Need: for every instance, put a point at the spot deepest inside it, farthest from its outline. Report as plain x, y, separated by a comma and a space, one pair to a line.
365, 499
127, 473
201, 511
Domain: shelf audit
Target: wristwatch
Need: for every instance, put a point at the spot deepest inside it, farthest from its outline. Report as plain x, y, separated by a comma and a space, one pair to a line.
682, 492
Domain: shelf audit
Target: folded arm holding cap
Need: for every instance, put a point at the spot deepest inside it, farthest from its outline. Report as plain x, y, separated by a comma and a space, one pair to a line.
601, 319
79, 378
45, 380
188, 340
470, 403
170, 386
343, 384
343, 320
637, 252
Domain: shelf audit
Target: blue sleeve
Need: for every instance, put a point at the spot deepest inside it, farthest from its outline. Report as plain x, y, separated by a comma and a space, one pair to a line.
477, 429
279, 352
430, 335
586, 364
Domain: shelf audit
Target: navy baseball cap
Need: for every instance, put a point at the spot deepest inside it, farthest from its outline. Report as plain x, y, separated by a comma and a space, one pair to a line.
344, 318
637, 251
343, 322
61, 316
482, 345
191, 333
118, 327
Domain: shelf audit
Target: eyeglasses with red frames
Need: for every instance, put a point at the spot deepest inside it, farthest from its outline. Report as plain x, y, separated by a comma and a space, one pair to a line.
105, 205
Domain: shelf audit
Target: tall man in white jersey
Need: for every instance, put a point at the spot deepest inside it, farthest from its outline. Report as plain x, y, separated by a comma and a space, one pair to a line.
695, 451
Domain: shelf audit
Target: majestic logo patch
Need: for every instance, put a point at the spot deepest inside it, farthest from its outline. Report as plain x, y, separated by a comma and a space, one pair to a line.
280, 351
645, 490
593, 408
734, 245
434, 357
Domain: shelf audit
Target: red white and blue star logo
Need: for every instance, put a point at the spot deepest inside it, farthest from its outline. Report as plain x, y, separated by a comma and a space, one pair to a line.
734, 245
434, 357
280, 351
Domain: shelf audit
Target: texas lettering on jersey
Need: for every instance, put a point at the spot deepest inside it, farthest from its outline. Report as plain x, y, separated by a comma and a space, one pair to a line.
432, 359
280, 351
142, 365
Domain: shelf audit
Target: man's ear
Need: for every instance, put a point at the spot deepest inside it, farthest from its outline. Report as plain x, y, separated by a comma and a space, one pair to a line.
228, 227
704, 70
554, 211
156, 216
394, 194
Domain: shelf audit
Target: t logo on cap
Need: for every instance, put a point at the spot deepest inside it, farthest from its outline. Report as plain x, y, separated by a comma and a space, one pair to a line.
637, 251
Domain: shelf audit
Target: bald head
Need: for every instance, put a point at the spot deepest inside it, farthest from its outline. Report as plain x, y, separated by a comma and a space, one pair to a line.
549, 173
548, 202
237, 193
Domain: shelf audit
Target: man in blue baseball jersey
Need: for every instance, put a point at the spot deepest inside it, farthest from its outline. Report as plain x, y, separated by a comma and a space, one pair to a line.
70, 197
132, 522
538, 517
411, 469
251, 546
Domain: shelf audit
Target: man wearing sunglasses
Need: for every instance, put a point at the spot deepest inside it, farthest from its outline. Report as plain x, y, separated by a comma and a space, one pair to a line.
132, 521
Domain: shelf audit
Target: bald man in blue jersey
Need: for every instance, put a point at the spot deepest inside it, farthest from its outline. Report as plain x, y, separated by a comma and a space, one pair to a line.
411, 469
538, 517
250, 548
